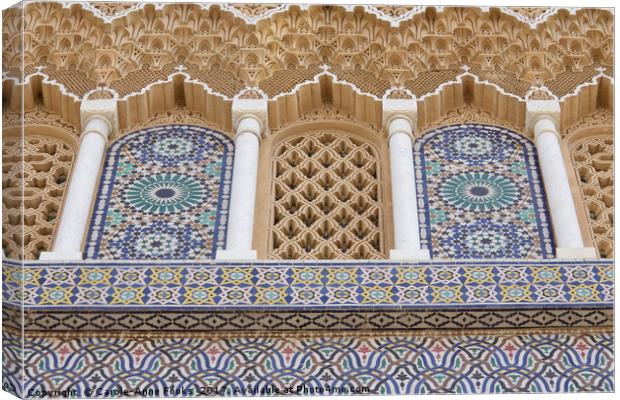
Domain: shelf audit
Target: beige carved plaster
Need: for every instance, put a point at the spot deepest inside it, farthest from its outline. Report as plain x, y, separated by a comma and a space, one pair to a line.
39, 163
326, 198
469, 113
145, 43
590, 143
356, 137
187, 62
35, 171
177, 115
157, 57
254, 13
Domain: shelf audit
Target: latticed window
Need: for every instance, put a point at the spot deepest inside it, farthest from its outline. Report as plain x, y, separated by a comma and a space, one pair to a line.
593, 159
42, 171
326, 198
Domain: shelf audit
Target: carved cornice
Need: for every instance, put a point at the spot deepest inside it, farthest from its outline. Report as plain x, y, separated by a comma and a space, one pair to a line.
255, 13
155, 57
128, 46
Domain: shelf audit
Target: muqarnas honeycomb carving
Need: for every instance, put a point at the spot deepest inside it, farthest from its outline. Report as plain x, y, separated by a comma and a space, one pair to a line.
326, 199
41, 167
594, 160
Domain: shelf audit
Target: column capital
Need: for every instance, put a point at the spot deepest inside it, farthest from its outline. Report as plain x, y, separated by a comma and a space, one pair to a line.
399, 124
105, 109
254, 108
538, 109
400, 108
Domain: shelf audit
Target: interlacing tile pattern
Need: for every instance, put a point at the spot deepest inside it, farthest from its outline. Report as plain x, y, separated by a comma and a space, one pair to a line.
387, 364
481, 194
163, 195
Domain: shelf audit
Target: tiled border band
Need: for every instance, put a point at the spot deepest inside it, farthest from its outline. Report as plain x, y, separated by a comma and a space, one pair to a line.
262, 286
304, 320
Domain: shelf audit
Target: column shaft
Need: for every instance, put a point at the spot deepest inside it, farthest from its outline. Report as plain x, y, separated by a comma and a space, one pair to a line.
404, 198
243, 193
566, 227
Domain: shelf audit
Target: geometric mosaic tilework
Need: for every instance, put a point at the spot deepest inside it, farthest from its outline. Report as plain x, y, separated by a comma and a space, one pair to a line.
12, 356
302, 319
163, 195
275, 285
402, 363
480, 194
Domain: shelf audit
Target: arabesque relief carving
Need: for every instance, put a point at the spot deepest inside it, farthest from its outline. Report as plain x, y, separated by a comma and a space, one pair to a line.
185, 63
466, 115
177, 115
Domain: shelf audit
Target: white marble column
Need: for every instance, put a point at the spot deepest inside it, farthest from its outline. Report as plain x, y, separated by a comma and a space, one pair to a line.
250, 120
99, 120
543, 117
399, 118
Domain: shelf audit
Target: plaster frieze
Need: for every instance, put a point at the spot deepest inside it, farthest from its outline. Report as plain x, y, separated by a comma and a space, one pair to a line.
155, 57
255, 13
147, 41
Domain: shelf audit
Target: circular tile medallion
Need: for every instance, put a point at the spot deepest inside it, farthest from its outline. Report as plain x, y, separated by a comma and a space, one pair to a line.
479, 191
164, 193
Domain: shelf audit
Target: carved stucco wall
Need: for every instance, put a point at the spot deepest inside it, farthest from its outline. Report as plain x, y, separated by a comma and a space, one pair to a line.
339, 130
154, 55
84, 45
184, 62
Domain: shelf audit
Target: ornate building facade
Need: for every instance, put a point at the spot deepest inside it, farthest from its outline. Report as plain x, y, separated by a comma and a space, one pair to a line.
384, 199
